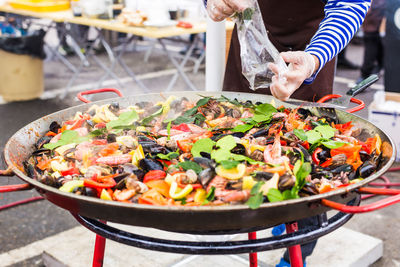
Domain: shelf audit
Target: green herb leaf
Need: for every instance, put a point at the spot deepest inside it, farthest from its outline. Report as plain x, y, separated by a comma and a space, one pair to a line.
300, 133
265, 109
301, 171
313, 136
256, 196
220, 155
261, 118
148, 119
67, 137
183, 119
202, 145
98, 132
169, 156
227, 142
242, 128
169, 130
124, 127
190, 165
229, 164
225, 99
210, 195
333, 144
290, 194
274, 195
326, 131
125, 118
244, 158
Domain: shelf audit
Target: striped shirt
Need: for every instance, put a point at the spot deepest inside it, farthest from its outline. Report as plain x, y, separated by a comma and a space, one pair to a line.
342, 20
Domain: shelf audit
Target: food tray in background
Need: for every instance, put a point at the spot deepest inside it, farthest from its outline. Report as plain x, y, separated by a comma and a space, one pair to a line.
40, 5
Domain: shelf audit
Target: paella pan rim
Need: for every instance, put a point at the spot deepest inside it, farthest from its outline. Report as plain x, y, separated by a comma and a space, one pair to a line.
315, 198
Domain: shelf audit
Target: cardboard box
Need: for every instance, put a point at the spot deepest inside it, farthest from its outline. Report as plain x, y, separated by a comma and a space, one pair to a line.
388, 121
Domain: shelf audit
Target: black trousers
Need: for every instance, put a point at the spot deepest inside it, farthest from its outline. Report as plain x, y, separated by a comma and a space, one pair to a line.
306, 249
373, 54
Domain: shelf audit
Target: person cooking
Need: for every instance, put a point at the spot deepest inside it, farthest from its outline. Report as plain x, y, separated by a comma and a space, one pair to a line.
308, 33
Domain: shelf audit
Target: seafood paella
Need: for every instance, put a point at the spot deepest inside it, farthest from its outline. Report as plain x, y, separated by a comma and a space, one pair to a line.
215, 151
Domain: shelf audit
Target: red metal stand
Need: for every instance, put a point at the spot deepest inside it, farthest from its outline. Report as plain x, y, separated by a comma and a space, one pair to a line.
296, 258
253, 255
99, 248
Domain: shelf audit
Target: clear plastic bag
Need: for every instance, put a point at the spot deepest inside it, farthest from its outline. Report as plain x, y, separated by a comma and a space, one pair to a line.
256, 50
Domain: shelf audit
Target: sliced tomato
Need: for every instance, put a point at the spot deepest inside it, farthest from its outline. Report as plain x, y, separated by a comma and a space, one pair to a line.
344, 127
154, 175
306, 145
70, 171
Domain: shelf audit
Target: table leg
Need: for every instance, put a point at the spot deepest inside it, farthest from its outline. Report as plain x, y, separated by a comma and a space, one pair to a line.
296, 259
180, 66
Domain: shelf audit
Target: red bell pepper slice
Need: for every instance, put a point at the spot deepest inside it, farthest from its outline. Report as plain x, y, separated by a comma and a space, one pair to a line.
183, 24
344, 127
70, 171
315, 155
154, 175
105, 184
78, 124
185, 145
327, 163
99, 142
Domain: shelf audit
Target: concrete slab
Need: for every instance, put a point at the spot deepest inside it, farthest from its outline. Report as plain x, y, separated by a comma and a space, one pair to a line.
344, 247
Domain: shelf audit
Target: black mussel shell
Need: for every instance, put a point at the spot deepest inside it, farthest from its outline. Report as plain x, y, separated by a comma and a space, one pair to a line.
48, 180
153, 148
308, 189
205, 163
139, 174
306, 155
127, 167
41, 151
238, 134
85, 191
205, 176
366, 169
111, 138
321, 174
364, 156
150, 164
261, 132
324, 155
342, 168
30, 169
121, 184
286, 182
239, 149
205, 155
91, 123
114, 107
54, 127
142, 138
42, 141
263, 175
121, 176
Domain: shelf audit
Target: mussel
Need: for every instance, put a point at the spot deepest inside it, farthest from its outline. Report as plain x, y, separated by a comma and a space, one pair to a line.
239, 149
263, 176
205, 176
153, 148
261, 132
308, 189
111, 138
42, 141
204, 163
304, 112
286, 182
85, 191
150, 164
41, 152
366, 169
54, 127
346, 168
114, 107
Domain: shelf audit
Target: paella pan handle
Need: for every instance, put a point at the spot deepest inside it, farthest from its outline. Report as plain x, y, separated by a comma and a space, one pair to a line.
13, 187
96, 91
360, 103
393, 199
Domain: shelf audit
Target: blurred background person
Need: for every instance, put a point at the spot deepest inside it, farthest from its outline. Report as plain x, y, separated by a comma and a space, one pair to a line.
373, 47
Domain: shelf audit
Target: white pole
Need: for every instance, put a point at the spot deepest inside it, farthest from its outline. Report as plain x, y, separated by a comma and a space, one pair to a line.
215, 55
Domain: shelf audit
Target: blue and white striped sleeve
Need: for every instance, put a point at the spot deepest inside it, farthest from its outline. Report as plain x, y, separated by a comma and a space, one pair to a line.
342, 20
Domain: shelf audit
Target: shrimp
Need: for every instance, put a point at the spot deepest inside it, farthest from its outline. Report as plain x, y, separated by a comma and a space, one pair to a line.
273, 153
235, 196
114, 160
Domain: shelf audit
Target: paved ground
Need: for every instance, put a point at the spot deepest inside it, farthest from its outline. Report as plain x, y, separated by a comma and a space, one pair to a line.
25, 224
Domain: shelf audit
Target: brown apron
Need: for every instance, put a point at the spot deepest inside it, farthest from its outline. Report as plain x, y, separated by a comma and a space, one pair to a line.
290, 25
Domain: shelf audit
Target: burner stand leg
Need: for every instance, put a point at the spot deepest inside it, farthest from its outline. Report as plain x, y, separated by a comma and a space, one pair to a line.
253, 255
99, 248
296, 259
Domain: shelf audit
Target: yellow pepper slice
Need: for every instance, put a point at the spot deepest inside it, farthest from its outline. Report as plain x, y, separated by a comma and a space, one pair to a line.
248, 183
200, 195
105, 195
176, 193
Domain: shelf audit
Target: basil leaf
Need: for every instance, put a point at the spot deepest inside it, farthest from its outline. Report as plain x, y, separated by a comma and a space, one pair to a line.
274, 195
98, 132
190, 165
202, 145
67, 137
242, 128
301, 171
265, 109
326, 131
300, 133
210, 195
256, 196
220, 154
229, 164
169, 156
227, 142
313, 136
183, 119
125, 118
333, 144
261, 118
148, 119
290, 194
